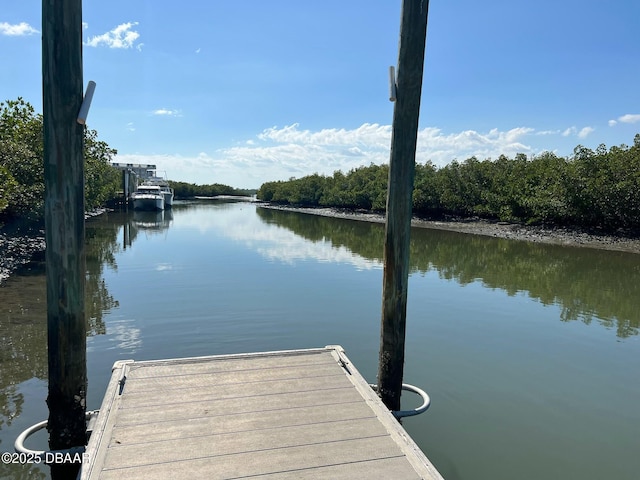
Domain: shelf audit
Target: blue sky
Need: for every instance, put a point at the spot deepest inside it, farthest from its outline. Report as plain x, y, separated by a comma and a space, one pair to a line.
243, 92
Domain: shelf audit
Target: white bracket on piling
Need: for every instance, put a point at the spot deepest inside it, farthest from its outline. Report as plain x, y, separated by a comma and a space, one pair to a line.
86, 103
392, 84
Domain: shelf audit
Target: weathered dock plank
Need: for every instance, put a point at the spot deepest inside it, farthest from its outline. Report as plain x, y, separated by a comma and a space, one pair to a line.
244, 422
266, 461
188, 409
138, 396
237, 442
278, 415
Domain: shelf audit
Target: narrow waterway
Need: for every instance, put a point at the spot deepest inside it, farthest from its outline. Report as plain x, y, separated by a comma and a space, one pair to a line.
530, 352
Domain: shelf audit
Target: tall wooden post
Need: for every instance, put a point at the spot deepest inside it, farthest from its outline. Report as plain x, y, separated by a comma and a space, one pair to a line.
64, 226
413, 31
125, 189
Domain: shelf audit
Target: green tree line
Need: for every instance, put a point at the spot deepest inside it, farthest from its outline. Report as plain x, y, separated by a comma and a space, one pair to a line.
598, 188
22, 164
190, 190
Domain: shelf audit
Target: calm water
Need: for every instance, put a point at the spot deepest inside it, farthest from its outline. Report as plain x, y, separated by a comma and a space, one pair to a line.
531, 353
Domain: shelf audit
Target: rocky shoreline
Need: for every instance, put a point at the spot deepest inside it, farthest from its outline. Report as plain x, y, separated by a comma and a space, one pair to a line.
22, 243
19, 244
621, 241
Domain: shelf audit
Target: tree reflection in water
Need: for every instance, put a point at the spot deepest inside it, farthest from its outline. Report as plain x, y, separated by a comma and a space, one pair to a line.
587, 284
23, 328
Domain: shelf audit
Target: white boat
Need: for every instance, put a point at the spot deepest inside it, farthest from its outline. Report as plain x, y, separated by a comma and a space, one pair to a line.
148, 197
166, 190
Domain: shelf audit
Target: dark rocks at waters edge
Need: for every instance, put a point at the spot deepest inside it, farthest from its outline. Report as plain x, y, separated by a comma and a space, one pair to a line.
22, 243
626, 241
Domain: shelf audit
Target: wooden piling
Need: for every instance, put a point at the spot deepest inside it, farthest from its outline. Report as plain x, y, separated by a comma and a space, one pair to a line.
64, 223
413, 30
125, 189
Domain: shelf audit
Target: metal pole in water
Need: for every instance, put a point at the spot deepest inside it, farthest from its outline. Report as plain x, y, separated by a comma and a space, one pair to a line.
64, 227
413, 31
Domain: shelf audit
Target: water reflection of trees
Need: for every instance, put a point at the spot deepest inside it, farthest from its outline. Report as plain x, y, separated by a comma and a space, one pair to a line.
23, 354
23, 307
100, 248
364, 238
587, 284
23, 322
11, 405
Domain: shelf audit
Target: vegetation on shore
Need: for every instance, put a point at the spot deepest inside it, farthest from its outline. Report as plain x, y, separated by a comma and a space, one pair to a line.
598, 188
191, 190
22, 168
22, 164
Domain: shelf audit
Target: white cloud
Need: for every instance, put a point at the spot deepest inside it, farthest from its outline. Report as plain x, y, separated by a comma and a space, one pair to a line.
120, 37
280, 153
369, 133
582, 133
164, 112
18, 30
441, 149
585, 132
629, 118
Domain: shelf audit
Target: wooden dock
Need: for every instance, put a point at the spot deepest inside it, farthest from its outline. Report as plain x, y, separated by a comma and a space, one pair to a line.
299, 414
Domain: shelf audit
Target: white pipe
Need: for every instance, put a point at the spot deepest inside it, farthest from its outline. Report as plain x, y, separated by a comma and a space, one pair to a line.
392, 84
19, 446
86, 103
426, 401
